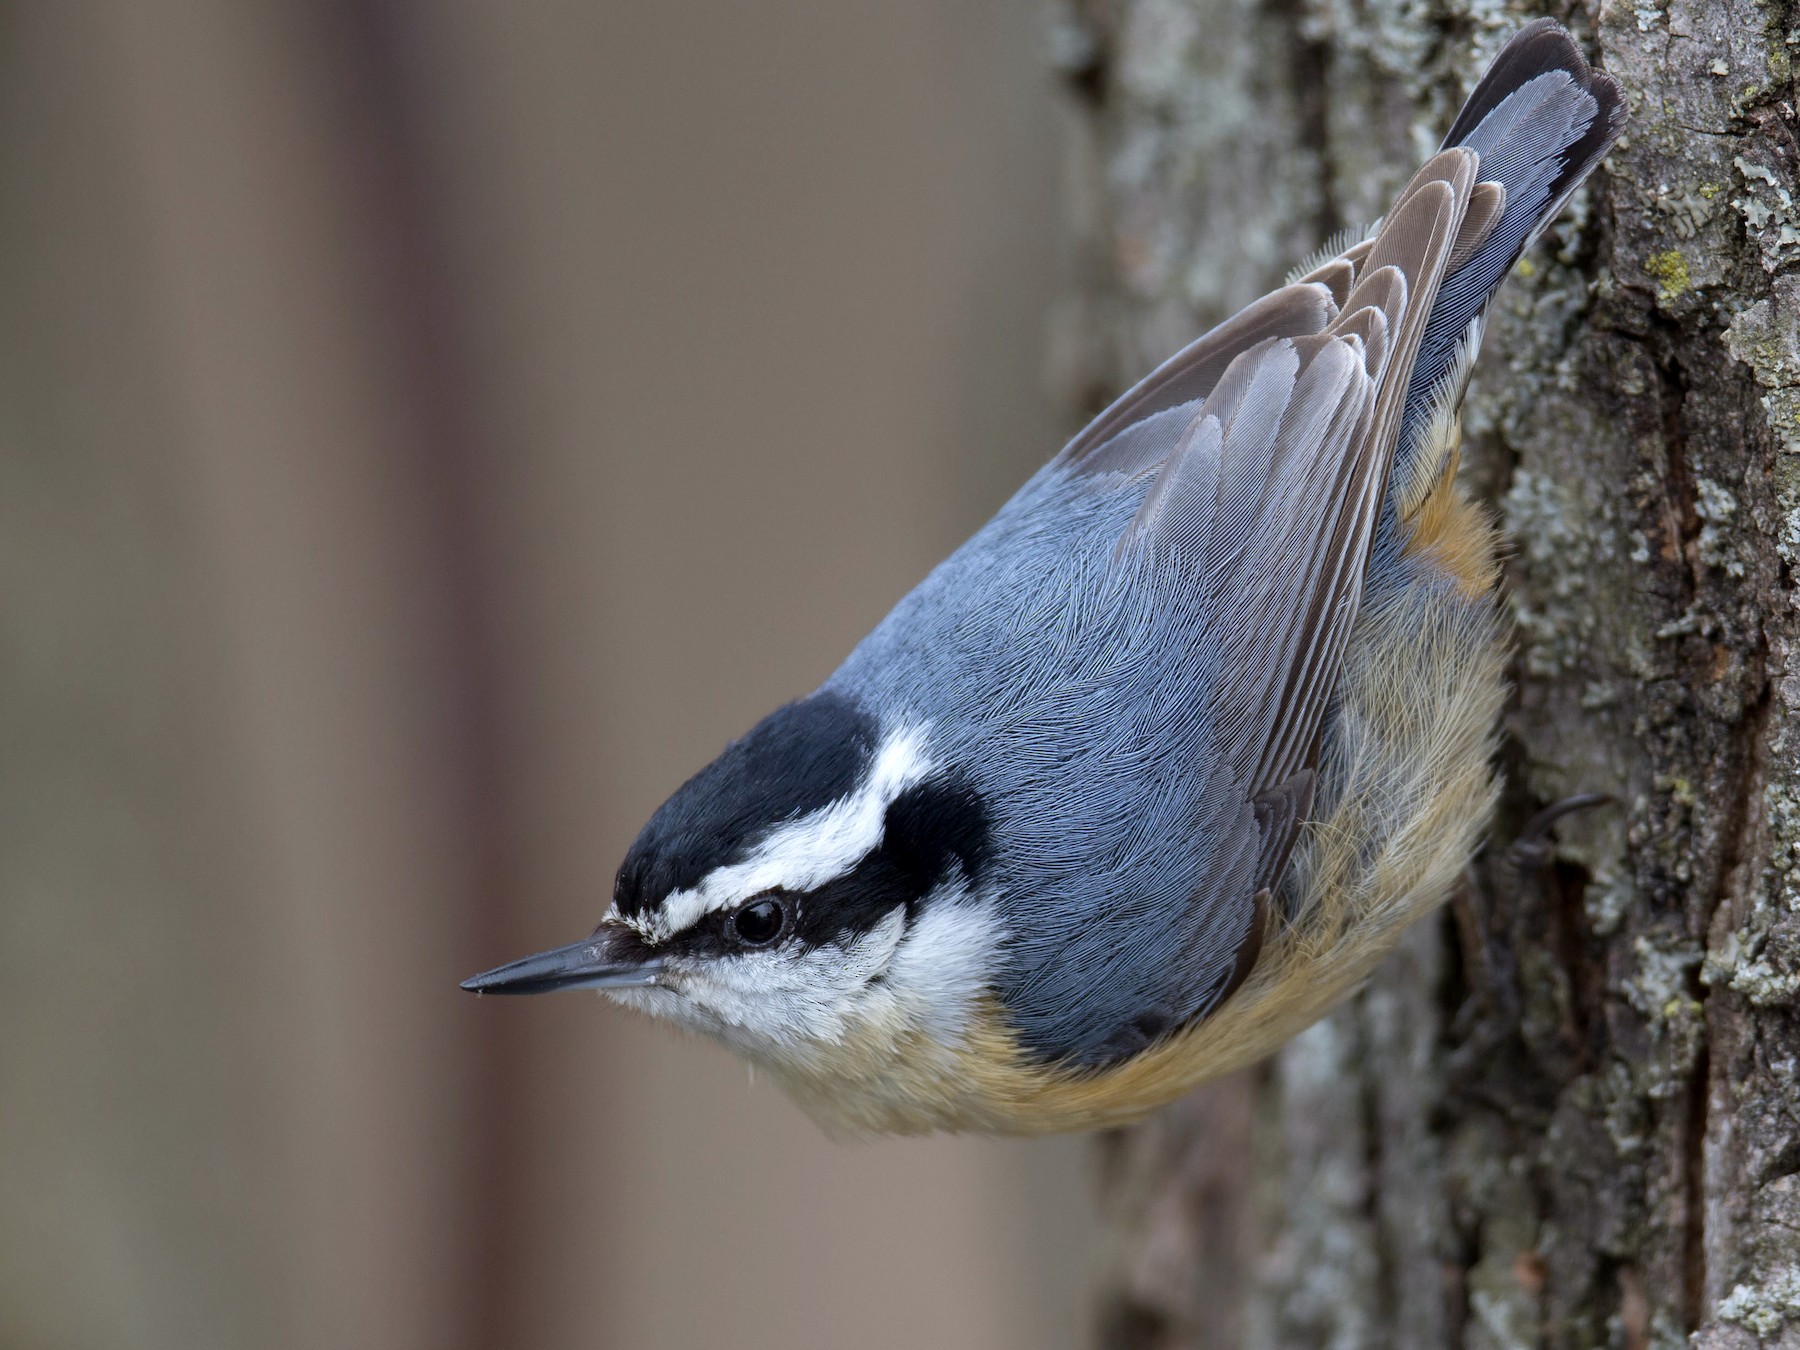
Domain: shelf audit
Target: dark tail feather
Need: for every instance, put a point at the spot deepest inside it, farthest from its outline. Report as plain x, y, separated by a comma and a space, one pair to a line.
1542, 47
1540, 119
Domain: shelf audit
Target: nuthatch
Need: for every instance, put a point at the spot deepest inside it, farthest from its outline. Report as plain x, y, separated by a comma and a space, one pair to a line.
1150, 773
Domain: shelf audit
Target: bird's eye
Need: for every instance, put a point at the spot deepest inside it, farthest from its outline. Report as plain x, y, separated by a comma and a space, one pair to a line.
759, 923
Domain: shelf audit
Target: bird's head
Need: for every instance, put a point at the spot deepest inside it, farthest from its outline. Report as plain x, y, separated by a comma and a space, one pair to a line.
813, 893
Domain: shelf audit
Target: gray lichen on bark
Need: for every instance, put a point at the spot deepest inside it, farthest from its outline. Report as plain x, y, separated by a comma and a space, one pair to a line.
1565, 1114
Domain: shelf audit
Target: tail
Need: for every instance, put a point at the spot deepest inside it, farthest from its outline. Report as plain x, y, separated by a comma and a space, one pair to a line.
1540, 119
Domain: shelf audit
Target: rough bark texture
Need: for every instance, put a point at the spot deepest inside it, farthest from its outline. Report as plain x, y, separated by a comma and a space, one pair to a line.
1565, 1113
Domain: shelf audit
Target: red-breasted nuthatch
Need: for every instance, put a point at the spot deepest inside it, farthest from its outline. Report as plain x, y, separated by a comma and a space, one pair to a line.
1153, 770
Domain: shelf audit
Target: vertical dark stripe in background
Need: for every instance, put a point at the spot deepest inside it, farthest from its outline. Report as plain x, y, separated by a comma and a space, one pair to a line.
376, 54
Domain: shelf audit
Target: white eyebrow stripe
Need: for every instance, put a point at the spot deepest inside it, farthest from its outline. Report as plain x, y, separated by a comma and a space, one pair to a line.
805, 853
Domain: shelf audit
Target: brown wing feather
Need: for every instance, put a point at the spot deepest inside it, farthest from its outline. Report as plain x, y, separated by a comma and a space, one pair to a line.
1338, 273
1271, 494
1487, 203
1194, 370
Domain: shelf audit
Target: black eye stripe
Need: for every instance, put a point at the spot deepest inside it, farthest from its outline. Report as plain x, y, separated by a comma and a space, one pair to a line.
711, 935
854, 903
933, 825
931, 830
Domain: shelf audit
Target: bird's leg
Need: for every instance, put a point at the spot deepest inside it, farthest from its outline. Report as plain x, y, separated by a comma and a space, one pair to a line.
1534, 849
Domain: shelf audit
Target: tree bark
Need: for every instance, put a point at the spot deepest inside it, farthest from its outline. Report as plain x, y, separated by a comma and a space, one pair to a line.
1564, 1113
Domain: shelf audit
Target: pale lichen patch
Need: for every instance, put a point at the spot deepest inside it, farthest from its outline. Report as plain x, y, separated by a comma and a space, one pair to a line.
1765, 1307
1757, 959
1556, 538
1661, 991
1766, 337
1768, 208
1715, 505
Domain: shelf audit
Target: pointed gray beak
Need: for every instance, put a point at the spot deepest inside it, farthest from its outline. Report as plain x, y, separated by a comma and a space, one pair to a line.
613, 958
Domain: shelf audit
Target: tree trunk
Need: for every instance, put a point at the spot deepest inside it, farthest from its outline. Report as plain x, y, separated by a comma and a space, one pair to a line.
1564, 1114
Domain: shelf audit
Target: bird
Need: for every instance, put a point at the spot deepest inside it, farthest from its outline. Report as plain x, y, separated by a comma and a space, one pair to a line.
1150, 773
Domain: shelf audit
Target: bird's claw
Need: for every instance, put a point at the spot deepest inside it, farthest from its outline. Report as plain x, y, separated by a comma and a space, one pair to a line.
1534, 848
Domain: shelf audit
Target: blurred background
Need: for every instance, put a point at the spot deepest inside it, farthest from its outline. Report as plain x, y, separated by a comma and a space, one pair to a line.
429, 430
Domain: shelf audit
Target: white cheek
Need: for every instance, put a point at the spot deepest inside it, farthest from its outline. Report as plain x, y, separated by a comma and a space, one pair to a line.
893, 979
944, 965
657, 1002
781, 999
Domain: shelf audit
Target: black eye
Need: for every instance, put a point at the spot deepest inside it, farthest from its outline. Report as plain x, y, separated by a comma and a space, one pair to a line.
759, 923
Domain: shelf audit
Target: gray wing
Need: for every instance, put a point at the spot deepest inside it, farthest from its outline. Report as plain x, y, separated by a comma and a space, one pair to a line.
1267, 500
1132, 434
